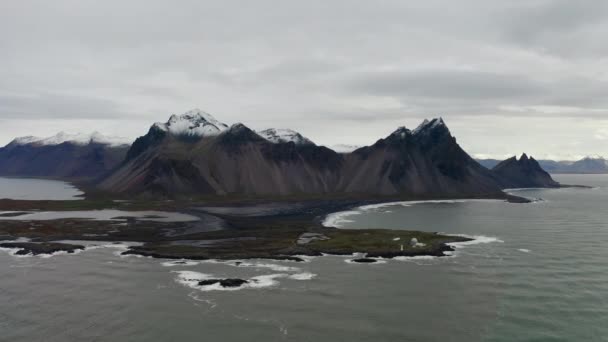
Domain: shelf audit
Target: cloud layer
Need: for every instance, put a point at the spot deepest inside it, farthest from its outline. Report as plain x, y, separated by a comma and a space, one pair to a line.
508, 76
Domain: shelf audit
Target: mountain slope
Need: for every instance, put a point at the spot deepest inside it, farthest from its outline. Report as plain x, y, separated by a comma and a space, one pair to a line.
523, 173
427, 161
77, 157
237, 161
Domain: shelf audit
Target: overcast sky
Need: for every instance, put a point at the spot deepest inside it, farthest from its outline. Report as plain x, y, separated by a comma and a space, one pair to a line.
507, 76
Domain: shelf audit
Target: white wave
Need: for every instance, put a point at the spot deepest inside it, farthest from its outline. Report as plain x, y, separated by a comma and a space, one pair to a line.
524, 250
13, 252
339, 218
179, 263
305, 258
274, 267
414, 258
196, 297
302, 276
476, 239
267, 280
192, 279
523, 189
50, 255
411, 203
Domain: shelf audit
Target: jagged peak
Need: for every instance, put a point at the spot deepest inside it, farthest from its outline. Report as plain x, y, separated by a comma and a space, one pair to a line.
194, 122
238, 127
523, 157
430, 125
401, 132
284, 135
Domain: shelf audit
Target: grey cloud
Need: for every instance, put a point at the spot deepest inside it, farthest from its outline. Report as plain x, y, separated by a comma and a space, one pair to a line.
36, 106
560, 27
447, 84
306, 65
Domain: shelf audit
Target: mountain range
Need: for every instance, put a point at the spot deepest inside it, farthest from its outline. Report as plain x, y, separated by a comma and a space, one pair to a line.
587, 165
75, 157
193, 154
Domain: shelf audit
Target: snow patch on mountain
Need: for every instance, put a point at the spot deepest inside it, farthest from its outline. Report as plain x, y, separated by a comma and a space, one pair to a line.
401, 132
427, 126
282, 135
25, 140
74, 138
344, 148
193, 123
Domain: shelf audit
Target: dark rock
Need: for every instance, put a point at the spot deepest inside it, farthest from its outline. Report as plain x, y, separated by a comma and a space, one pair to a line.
426, 162
229, 282
65, 161
37, 248
365, 260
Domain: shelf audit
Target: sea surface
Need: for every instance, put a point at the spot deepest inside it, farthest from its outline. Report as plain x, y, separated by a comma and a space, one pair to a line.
537, 272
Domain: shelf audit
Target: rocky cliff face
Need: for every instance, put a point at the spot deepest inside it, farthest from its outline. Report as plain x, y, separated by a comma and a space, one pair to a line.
523, 173
237, 160
425, 161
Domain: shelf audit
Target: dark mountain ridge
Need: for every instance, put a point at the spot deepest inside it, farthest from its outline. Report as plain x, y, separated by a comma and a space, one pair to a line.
523, 173
587, 165
424, 162
68, 160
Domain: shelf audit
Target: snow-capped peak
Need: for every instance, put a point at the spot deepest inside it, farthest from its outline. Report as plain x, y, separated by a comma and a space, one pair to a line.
427, 125
193, 123
283, 135
401, 132
74, 138
25, 140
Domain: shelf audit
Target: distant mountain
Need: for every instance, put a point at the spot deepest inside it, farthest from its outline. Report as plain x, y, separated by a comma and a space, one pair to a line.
344, 148
523, 173
203, 157
283, 135
66, 156
587, 165
80, 139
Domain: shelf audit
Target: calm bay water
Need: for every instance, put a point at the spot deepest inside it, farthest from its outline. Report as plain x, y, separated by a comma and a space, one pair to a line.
541, 274
37, 189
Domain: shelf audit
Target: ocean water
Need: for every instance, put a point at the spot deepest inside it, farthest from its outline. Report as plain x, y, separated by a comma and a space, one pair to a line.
537, 272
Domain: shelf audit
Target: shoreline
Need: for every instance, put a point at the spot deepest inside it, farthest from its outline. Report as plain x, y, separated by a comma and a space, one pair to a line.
232, 228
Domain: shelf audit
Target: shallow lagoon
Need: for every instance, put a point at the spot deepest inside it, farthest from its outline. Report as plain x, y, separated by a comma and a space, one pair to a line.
37, 189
